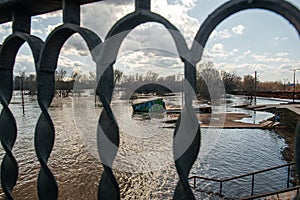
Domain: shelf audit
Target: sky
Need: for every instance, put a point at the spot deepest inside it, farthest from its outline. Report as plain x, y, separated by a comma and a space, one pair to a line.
249, 41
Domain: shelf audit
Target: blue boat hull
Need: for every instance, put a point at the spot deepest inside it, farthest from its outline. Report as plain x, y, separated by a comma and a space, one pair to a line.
146, 106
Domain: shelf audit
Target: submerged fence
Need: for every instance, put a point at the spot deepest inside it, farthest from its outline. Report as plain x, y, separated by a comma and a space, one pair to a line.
253, 176
104, 53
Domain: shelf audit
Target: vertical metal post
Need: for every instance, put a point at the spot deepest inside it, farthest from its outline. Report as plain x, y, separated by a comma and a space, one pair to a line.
221, 185
71, 12
288, 178
294, 86
142, 4
255, 80
22, 94
252, 188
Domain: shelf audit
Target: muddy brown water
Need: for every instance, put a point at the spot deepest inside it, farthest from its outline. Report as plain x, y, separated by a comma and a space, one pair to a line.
144, 166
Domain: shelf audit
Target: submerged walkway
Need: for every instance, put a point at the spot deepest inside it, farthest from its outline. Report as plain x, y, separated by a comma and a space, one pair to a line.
292, 107
225, 121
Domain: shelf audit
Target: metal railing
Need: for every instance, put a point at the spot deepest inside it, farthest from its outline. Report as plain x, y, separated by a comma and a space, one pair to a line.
104, 54
296, 188
252, 175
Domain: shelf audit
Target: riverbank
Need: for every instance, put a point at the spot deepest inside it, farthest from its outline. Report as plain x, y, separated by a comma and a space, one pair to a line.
289, 120
286, 130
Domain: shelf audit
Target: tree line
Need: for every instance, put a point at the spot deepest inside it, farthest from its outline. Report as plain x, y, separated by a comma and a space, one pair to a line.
210, 81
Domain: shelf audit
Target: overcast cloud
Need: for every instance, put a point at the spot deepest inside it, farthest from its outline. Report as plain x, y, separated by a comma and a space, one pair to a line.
247, 41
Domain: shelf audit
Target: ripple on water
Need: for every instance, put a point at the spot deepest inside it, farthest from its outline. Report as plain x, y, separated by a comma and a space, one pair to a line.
144, 164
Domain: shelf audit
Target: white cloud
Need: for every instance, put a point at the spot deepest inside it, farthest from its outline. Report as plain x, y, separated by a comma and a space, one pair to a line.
5, 30
281, 38
65, 62
225, 34
248, 52
75, 46
24, 63
282, 54
101, 16
264, 58
50, 28
218, 51
188, 4
178, 15
239, 29
144, 60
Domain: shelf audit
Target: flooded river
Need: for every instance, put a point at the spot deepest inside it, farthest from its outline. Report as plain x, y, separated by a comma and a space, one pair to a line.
144, 165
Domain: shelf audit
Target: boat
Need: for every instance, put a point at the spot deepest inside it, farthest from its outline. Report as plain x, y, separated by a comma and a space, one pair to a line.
145, 106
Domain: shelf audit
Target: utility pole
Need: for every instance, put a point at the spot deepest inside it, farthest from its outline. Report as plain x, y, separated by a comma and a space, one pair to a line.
22, 78
255, 81
294, 89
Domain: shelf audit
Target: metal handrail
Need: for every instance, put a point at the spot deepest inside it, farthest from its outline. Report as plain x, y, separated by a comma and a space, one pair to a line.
221, 181
273, 193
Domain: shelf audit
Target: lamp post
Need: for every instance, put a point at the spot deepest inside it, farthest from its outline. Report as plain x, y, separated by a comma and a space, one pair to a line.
255, 82
294, 89
22, 79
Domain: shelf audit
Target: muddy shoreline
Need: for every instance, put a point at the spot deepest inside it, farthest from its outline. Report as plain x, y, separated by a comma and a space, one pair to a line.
288, 121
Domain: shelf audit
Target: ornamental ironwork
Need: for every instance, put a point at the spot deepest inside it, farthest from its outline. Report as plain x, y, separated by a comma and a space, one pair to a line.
104, 53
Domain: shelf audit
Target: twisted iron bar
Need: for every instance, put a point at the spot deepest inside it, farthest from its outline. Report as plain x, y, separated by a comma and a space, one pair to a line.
107, 126
107, 133
45, 133
187, 136
8, 134
44, 137
108, 53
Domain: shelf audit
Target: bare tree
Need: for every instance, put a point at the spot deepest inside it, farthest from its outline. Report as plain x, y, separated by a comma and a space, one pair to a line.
231, 81
151, 76
117, 75
31, 84
59, 76
248, 85
209, 84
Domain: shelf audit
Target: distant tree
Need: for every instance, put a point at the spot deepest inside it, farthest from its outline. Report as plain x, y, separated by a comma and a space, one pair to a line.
151, 76
117, 75
59, 78
17, 83
272, 86
76, 76
170, 78
248, 85
22, 79
209, 84
31, 84
60, 74
231, 81
92, 76
139, 77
